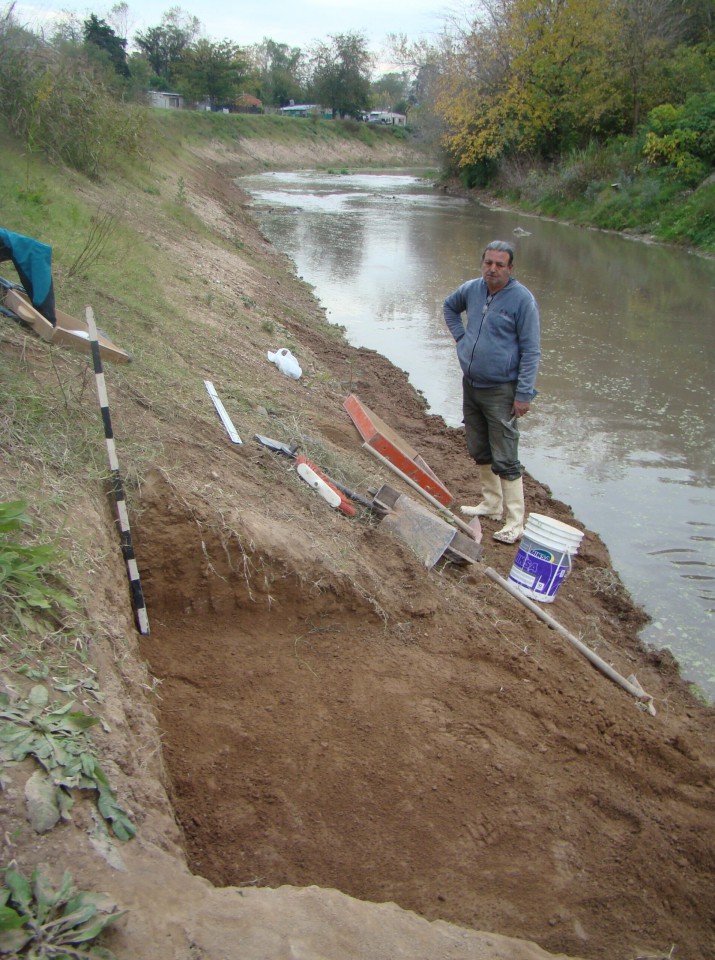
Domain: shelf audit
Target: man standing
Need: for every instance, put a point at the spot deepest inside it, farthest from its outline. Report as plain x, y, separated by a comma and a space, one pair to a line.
499, 353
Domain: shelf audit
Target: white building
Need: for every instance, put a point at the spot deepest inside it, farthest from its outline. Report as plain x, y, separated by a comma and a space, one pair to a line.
385, 116
173, 101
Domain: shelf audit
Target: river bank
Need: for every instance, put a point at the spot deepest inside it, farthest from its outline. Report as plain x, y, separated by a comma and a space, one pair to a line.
313, 711
610, 311
497, 202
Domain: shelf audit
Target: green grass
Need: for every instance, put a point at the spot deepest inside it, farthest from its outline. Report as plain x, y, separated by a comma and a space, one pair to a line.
693, 218
608, 187
191, 126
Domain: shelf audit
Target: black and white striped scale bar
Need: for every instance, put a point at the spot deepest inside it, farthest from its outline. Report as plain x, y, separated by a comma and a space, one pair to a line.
140, 613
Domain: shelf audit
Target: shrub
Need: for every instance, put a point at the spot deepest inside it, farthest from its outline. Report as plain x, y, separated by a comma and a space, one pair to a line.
56, 103
29, 592
478, 174
682, 139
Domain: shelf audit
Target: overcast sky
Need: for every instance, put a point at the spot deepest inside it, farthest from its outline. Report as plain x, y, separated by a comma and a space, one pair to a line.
295, 22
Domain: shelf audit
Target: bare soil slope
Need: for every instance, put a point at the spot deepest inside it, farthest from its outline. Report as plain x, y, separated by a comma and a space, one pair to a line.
334, 714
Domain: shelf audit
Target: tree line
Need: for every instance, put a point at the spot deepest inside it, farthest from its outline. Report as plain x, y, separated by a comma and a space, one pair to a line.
507, 85
174, 56
536, 79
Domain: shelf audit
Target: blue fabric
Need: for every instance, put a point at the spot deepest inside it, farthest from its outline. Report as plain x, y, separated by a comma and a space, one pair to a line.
33, 262
500, 342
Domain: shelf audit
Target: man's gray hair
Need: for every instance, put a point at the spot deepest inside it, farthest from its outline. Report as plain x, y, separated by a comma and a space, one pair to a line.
503, 246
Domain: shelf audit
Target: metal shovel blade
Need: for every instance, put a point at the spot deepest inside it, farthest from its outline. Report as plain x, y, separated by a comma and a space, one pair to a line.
277, 446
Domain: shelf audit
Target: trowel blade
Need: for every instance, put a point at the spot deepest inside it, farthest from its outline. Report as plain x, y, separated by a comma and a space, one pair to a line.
276, 445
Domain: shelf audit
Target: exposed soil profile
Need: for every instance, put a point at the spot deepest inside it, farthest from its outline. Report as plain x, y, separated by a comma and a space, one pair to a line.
322, 710
418, 736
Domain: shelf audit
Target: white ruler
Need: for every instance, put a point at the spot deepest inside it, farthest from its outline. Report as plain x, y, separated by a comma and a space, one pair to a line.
221, 411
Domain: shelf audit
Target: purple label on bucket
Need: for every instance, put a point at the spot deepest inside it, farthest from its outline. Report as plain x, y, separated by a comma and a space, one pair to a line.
538, 570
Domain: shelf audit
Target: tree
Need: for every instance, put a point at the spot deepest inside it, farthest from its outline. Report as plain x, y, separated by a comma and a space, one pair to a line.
211, 69
422, 63
649, 31
68, 31
529, 76
281, 72
391, 91
697, 19
101, 35
118, 18
164, 46
341, 74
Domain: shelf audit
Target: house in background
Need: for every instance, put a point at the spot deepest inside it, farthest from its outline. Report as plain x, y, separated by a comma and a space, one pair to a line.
306, 110
245, 103
172, 101
386, 116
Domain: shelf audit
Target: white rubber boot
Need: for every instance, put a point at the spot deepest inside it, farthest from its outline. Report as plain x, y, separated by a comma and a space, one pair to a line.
492, 505
513, 492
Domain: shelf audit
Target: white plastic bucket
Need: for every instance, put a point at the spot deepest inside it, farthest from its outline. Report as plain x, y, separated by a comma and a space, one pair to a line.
544, 557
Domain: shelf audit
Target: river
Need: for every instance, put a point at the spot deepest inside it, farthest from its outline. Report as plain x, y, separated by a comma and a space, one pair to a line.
619, 430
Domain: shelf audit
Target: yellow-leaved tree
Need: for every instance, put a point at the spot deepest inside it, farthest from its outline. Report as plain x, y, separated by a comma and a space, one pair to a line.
529, 76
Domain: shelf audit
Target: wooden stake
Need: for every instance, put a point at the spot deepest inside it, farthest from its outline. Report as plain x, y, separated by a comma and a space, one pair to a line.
635, 691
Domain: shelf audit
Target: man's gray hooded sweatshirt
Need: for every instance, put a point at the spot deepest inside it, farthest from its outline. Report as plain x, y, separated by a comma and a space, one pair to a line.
500, 343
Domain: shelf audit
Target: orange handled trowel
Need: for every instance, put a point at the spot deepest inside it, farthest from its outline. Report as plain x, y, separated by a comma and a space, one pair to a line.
305, 471
305, 468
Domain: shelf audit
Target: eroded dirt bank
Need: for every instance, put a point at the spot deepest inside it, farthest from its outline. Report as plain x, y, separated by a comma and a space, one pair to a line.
335, 714
332, 714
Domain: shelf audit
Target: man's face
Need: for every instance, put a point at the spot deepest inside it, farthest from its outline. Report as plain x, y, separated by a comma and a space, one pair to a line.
496, 269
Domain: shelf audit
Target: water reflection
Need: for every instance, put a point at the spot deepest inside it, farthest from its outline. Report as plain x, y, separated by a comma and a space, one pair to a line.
619, 429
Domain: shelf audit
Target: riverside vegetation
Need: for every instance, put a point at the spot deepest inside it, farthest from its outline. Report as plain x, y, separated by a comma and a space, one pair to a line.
600, 113
308, 714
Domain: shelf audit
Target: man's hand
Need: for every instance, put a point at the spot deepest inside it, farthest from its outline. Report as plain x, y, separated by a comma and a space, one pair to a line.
520, 408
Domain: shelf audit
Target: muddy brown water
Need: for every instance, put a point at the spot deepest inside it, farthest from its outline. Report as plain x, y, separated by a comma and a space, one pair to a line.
620, 430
